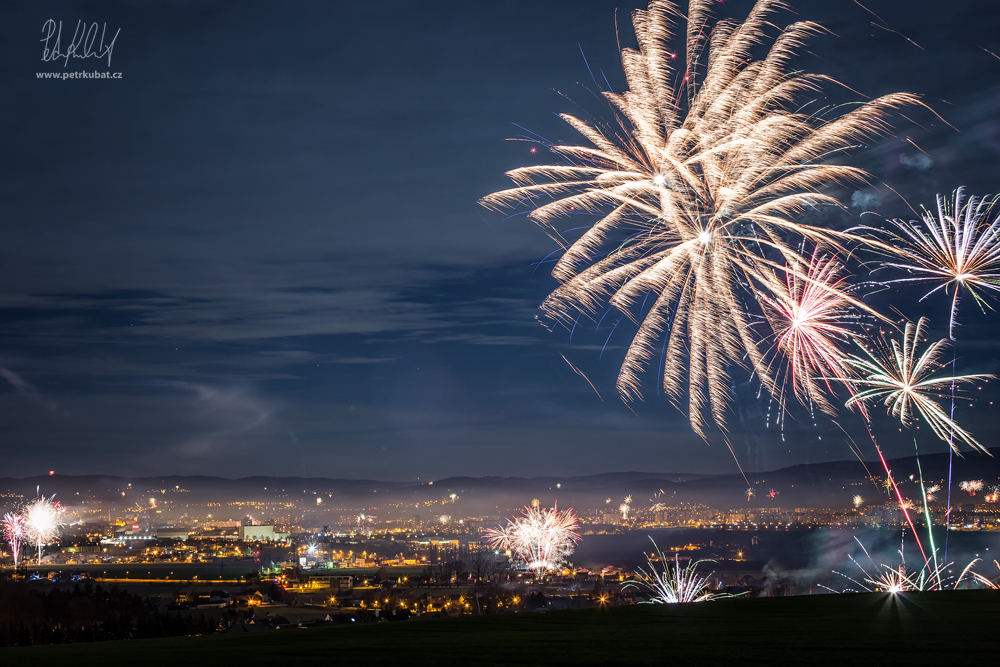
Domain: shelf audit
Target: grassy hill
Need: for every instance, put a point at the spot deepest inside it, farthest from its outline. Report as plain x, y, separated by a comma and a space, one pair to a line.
873, 629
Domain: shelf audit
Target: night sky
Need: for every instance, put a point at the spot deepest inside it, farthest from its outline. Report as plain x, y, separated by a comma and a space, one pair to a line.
260, 251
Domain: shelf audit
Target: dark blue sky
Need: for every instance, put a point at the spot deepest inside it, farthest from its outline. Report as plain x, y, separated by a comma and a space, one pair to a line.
260, 250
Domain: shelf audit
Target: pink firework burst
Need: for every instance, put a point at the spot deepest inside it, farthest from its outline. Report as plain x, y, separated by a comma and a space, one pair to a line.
15, 533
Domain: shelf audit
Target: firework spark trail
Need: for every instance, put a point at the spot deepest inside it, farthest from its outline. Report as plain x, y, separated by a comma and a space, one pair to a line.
957, 248
541, 538
42, 519
673, 585
15, 533
713, 162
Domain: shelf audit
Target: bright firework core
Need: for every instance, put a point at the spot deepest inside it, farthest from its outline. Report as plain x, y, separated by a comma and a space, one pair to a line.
42, 520
540, 538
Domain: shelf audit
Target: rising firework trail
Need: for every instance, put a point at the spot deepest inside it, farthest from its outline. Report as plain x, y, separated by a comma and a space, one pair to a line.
697, 185
15, 533
540, 538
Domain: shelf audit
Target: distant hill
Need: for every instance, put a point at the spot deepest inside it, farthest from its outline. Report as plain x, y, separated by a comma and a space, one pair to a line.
831, 484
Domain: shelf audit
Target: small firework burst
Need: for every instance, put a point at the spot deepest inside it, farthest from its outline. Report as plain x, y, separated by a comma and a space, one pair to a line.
957, 249
540, 538
626, 508
902, 379
15, 533
42, 520
672, 585
972, 487
858, 501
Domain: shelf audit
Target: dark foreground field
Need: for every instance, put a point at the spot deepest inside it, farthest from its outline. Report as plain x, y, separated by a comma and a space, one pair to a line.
951, 628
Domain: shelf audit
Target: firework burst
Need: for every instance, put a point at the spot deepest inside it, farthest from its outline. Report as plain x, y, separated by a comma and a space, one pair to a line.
672, 585
957, 248
626, 507
810, 318
42, 520
541, 538
15, 533
696, 190
858, 501
900, 578
972, 486
901, 377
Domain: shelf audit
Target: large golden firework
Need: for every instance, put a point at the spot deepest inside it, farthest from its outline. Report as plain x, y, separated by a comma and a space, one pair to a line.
697, 189
899, 375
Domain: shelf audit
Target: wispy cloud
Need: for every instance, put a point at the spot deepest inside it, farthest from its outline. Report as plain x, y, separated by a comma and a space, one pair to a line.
26, 389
